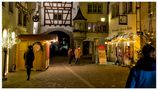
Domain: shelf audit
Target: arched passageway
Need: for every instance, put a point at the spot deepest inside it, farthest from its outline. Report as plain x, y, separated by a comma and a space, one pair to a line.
60, 47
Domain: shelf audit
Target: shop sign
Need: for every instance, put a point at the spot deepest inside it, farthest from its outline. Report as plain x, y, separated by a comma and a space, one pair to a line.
122, 29
102, 54
123, 20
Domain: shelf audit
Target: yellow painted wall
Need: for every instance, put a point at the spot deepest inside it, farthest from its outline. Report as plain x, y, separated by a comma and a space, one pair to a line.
136, 48
115, 28
145, 18
92, 17
10, 20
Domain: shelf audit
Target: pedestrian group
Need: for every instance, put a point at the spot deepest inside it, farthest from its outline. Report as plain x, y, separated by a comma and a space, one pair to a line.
142, 75
74, 54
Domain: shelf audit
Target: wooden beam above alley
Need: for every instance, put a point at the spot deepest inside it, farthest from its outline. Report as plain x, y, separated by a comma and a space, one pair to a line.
32, 37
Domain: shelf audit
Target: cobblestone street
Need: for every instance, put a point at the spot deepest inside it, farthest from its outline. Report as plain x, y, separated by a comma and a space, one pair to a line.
63, 75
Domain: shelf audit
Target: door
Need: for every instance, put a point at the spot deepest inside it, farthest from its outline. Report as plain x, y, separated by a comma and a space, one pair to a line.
86, 47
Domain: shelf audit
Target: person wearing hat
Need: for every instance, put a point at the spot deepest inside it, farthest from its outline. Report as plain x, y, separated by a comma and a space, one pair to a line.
29, 58
143, 75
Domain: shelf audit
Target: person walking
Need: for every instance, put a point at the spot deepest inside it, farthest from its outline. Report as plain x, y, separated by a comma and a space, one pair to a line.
77, 55
143, 75
29, 58
70, 55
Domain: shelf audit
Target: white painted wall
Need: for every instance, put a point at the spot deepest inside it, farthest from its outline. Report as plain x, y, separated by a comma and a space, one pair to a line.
67, 28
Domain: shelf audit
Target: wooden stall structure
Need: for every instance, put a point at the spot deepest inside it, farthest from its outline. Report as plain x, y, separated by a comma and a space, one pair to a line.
41, 44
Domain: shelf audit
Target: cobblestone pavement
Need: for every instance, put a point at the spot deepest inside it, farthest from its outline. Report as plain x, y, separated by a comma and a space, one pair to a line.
63, 75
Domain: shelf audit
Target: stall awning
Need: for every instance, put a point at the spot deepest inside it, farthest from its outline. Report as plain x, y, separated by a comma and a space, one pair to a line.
129, 37
88, 39
32, 37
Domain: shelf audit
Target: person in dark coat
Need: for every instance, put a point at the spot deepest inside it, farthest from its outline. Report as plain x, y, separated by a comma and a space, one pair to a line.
143, 75
29, 58
70, 55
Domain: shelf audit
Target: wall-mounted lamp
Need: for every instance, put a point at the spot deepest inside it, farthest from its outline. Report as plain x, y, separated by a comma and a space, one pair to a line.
35, 18
102, 19
89, 28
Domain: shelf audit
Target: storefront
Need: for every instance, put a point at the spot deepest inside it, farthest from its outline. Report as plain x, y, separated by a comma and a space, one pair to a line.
123, 48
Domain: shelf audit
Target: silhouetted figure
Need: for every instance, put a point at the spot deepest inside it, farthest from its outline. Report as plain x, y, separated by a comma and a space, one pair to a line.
70, 55
143, 75
29, 58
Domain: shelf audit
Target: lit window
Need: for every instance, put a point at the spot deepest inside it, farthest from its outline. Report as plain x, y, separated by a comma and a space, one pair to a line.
89, 26
94, 26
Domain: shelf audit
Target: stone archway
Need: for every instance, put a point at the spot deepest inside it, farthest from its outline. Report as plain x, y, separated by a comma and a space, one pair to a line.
68, 32
65, 41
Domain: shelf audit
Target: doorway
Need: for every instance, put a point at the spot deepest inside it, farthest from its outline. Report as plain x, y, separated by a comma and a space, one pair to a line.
59, 48
86, 48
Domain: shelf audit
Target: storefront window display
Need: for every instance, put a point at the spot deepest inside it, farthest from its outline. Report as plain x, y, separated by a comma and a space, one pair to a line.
127, 55
119, 54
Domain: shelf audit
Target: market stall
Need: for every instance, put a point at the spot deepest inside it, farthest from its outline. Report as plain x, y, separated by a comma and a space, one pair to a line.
124, 48
41, 51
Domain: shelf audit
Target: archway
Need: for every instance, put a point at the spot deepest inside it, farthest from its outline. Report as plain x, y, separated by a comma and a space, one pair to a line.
65, 36
60, 47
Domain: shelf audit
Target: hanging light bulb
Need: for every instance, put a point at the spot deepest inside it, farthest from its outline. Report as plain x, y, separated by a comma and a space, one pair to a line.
13, 35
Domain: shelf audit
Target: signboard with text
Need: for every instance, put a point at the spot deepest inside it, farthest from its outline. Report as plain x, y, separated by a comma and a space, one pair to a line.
102, 54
